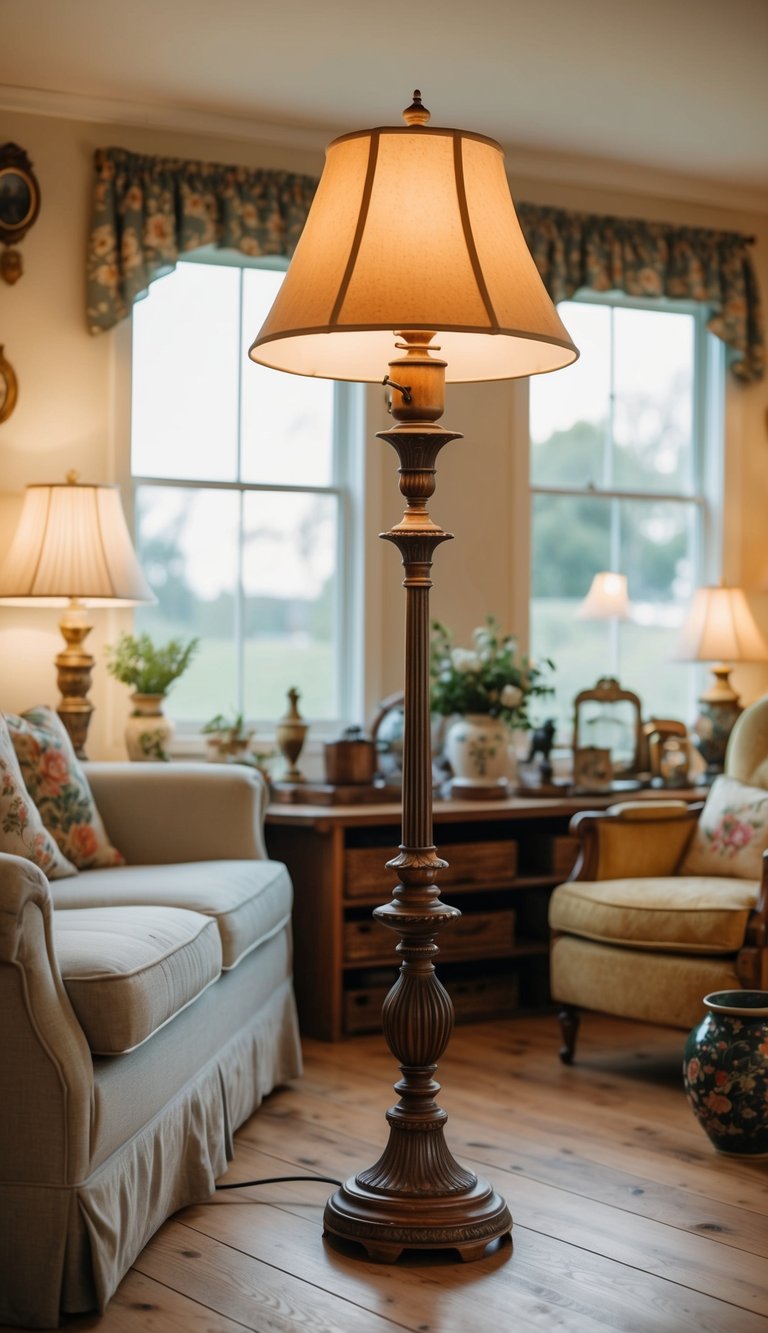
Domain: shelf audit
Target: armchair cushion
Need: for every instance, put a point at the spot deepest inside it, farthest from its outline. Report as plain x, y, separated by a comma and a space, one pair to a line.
732, 832
59, 788
703, 915
129, 970
249, 900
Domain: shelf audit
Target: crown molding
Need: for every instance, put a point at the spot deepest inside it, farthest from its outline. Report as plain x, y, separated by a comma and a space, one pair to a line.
157, 116
539, 164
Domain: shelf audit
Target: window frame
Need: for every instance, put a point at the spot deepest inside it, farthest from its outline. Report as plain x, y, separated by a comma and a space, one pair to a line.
346, 486
710, 358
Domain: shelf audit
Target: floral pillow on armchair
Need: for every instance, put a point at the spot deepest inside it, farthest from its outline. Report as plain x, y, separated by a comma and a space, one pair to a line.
59, 788
732, 832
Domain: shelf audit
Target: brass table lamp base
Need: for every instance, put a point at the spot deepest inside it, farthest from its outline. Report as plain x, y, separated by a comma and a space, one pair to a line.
416, 1196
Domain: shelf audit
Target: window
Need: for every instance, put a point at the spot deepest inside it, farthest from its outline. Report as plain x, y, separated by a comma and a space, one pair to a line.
241, 501
624, 459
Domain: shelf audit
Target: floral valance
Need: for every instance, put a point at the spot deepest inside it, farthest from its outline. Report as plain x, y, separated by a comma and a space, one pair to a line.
574, 250
149, 211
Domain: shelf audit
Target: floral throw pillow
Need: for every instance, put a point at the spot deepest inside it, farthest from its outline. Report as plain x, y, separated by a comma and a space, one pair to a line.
22, 832
57, 784
732, 832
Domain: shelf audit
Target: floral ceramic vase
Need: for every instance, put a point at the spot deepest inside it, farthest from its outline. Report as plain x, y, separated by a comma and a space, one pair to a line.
725, 1071
148, 732
477, 748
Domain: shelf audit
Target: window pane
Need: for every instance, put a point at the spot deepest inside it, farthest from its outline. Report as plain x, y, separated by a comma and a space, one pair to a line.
185, 375
187, 544
571, 543
569, 411
289, 559
287, 420
653, 405
658, 541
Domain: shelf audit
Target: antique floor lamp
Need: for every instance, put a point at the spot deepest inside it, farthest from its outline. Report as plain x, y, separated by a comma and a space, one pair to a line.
413, 236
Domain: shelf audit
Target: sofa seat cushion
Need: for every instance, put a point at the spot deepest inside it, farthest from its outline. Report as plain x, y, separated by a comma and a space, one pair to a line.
249, 900
129, 970
696, 914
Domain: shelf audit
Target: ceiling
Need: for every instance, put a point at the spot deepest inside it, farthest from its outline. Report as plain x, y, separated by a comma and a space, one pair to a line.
677, 86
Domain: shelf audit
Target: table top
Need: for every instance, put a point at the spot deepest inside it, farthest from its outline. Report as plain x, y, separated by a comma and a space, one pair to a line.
469, 811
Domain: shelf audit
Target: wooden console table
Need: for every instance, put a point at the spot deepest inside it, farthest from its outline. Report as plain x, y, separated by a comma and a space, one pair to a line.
505, 857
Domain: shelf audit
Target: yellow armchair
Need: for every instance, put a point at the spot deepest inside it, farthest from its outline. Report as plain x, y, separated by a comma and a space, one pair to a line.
635, 937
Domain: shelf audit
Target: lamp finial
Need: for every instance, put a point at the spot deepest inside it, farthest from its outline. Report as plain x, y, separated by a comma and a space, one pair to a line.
416, 113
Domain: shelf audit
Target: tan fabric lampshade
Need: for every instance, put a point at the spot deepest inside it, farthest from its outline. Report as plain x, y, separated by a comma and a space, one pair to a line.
607, 598
413, 227
72, 541
720, 628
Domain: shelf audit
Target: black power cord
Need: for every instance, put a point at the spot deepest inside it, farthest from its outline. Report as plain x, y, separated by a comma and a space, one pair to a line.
277, 1180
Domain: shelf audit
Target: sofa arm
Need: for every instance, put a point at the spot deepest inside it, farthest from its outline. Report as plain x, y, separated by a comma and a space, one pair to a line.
638, 840
45, 1108
163, 813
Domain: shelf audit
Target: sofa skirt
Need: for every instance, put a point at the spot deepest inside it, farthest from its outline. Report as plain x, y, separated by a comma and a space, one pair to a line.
72, 1245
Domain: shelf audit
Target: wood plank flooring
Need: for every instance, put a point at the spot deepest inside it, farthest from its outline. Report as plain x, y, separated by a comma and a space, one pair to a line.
625, 1217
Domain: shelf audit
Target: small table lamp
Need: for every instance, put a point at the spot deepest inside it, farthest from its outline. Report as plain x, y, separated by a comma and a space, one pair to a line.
72, 548
607, 598
412, 247
721, 629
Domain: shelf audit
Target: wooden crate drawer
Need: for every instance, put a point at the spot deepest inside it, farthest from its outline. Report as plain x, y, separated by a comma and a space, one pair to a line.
473, 998
469, 865
474, 934
554, 855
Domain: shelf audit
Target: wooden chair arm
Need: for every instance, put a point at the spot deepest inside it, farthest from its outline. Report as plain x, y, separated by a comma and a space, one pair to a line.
628, 842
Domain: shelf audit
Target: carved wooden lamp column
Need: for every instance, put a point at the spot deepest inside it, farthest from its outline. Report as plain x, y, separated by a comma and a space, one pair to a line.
413, 236
72, 548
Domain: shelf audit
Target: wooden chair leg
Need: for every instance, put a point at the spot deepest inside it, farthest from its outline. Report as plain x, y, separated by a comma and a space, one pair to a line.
569, 1020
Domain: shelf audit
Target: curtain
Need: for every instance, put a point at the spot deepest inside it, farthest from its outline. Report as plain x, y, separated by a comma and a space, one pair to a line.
574, 250
148, 211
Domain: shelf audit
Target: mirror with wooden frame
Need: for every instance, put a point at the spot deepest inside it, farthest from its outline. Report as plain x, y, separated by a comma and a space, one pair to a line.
609, 718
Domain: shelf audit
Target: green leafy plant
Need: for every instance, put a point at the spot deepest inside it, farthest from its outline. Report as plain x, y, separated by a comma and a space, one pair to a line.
488, 678
228, 729
148, 669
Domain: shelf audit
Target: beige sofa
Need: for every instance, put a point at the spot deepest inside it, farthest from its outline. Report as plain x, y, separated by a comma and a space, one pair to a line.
145, 1011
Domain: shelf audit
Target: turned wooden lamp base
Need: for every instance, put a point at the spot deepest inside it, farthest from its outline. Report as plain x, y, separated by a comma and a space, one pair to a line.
386, 1225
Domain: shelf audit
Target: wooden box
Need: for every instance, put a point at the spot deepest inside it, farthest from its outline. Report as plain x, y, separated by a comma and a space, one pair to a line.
470, 865
553, 854
474, 935
473, 998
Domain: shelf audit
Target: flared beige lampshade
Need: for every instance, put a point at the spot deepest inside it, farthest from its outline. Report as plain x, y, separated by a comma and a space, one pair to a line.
413, 228
72, 541
720, 628
607, 598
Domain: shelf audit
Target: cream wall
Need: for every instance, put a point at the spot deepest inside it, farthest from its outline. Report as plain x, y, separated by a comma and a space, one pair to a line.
70, 413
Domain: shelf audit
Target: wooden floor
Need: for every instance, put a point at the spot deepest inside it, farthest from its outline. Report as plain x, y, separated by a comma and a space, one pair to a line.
624, 1217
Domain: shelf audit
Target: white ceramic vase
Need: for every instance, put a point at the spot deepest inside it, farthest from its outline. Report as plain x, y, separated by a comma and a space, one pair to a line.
477, 748
148, 732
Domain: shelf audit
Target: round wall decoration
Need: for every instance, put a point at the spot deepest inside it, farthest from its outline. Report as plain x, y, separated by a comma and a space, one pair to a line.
19, 205
9, 389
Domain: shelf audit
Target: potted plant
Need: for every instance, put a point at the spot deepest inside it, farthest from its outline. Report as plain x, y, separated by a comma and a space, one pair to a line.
150, 670
487, 689
228, 736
